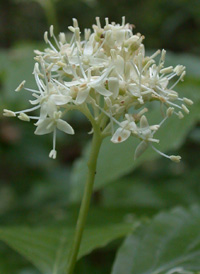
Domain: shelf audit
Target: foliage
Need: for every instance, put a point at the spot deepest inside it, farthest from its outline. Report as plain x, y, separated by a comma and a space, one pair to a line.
149, 202
169, 243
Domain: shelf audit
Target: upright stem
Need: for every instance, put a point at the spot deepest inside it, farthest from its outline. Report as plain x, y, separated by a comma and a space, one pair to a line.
96, 144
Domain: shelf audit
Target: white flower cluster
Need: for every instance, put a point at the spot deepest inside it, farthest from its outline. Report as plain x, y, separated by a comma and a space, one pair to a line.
107, 77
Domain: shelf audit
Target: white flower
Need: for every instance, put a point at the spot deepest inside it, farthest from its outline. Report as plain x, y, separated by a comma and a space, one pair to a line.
51, 123
127, 127
108, 77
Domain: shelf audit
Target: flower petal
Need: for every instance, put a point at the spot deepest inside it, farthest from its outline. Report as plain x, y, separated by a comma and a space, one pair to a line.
82, 96
101, 90
44, 127
88, 49
113, 86
119, 65
143, 122
64, 126
60, 99
120, 135
134, 89
140, 149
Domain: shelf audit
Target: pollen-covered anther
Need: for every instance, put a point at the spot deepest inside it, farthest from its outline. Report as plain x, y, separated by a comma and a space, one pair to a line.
51, 30
154, 127
46, 37
166, 70
170, 111
24, 117
175, 158
185, 108
8, 113
182, 75
179, 69
21, 85
62, 38
172, 96
38, 52
188, 101
53, 154
72, 29
180, 115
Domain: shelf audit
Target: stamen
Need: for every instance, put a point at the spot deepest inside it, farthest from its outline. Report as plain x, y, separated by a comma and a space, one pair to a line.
175, 159
123, 21
185, 109
188, 101
107, 21
32, 90
175, 105
48, 42
27, 110
54, 139
135, 67
161, 153
24, 117
179, 79
98, 22
81, 67
21, 85
8, 113
155, 54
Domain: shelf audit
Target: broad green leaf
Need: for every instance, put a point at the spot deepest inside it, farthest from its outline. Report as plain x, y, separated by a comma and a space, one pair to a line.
116, 160
48, 248
152, 193
169, 242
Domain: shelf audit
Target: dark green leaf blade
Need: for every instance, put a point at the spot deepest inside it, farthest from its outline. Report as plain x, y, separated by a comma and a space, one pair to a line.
168, 242
48, 248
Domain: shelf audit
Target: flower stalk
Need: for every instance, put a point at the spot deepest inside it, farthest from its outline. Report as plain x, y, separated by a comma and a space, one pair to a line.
92, 163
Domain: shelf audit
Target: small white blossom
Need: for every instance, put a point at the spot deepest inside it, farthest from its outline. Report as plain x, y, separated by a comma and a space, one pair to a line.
108, 77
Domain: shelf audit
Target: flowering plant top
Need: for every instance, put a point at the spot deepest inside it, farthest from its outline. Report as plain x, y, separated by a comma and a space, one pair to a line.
108, 77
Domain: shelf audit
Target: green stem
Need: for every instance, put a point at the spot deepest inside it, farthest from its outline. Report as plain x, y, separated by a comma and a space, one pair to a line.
96, 144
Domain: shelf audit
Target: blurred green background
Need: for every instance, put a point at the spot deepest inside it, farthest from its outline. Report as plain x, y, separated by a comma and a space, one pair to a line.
38, 191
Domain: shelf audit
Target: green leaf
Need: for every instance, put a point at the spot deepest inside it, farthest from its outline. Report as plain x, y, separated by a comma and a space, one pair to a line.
47, 248
116, 160
18, 67
150, 193
170, 241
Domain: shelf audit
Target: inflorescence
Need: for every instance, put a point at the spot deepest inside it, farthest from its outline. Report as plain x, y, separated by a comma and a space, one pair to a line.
107, 77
